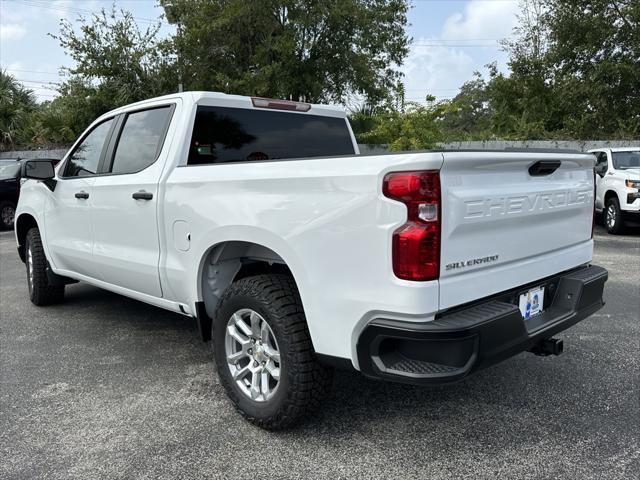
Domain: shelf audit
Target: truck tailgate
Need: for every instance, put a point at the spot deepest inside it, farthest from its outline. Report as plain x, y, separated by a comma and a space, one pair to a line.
511, 218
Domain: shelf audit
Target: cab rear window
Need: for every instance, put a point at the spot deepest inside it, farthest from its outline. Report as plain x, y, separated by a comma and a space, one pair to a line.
225, 135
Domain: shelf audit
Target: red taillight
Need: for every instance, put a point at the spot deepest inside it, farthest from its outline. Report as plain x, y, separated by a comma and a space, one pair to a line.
416, 244
260, 102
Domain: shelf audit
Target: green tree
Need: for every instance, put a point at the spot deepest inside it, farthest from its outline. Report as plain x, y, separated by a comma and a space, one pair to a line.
594, 56
574, 73
310, 50
413, 127
520, 105
60, 121
112, 52
17, 103
470, 113
523, 103
116, 63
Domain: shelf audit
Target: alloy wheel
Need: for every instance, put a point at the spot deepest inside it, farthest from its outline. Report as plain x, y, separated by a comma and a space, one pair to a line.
611, 216
253, 356
8, 215
30, 267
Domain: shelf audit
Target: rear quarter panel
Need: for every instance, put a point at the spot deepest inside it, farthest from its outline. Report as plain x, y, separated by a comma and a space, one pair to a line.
326, 217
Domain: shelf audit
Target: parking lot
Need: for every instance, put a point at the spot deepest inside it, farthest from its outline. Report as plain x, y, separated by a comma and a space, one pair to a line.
106, 387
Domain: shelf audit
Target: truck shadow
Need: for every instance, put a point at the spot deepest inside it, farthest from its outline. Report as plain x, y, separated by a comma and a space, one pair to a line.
511, 396
112, 306
494, 410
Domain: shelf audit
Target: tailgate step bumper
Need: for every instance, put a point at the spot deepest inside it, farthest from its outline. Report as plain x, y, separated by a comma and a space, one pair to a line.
475, 336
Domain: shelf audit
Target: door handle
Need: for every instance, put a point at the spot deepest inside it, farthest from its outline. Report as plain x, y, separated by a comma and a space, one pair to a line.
82, 195
142, 195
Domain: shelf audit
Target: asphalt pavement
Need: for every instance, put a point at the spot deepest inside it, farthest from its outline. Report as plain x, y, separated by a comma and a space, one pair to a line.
102, 386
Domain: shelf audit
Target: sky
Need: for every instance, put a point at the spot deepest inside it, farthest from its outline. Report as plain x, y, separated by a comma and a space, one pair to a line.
451, 40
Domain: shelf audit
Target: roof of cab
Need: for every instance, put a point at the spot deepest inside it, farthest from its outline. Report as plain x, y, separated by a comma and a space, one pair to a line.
226, 100
615, 149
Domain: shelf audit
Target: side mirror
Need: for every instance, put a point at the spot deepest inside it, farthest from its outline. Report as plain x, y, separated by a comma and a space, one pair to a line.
601, 169
38, 169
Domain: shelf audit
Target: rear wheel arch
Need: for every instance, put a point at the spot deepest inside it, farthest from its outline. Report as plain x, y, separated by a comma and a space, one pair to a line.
229, 261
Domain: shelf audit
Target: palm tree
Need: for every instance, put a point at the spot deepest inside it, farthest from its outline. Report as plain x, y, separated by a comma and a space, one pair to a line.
16, 104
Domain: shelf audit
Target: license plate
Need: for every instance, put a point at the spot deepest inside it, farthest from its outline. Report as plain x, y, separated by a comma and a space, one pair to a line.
532, 302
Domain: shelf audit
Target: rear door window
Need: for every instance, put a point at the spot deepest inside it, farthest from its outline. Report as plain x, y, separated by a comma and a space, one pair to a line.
224, 135
141, 140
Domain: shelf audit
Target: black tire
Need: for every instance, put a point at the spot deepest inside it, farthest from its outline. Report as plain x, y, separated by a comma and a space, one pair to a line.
304, 382
41, 292
7, 215
613, 220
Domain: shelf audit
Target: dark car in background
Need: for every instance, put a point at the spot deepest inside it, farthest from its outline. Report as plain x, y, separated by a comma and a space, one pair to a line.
10, 169
9, 191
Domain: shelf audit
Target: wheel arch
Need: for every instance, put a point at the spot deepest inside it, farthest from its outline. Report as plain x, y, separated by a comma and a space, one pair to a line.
610, 194
227, 261
23, 224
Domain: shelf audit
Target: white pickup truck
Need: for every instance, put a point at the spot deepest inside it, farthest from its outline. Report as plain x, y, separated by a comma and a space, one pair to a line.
618, 186
296, 254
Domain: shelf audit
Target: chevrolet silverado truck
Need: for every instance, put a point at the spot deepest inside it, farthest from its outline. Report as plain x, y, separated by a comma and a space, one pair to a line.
618, 186
296, 255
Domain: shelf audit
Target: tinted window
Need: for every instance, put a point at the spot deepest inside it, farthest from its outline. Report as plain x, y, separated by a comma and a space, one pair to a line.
141, 140
236, 135
85, 158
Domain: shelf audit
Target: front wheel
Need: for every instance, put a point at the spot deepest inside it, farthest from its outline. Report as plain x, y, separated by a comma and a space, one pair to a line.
41, 292
613, 217
263, 352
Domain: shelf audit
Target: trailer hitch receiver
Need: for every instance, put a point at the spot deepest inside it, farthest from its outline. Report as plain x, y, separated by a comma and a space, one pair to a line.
548, 346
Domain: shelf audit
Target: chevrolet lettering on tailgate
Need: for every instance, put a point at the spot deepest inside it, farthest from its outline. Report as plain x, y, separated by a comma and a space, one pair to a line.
516, 204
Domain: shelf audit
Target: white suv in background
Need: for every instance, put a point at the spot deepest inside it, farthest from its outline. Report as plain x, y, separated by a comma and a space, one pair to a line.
617, 186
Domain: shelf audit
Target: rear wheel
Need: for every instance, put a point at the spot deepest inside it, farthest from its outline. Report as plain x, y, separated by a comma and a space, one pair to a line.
41, 292
263, 352
7, 215
613, 217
